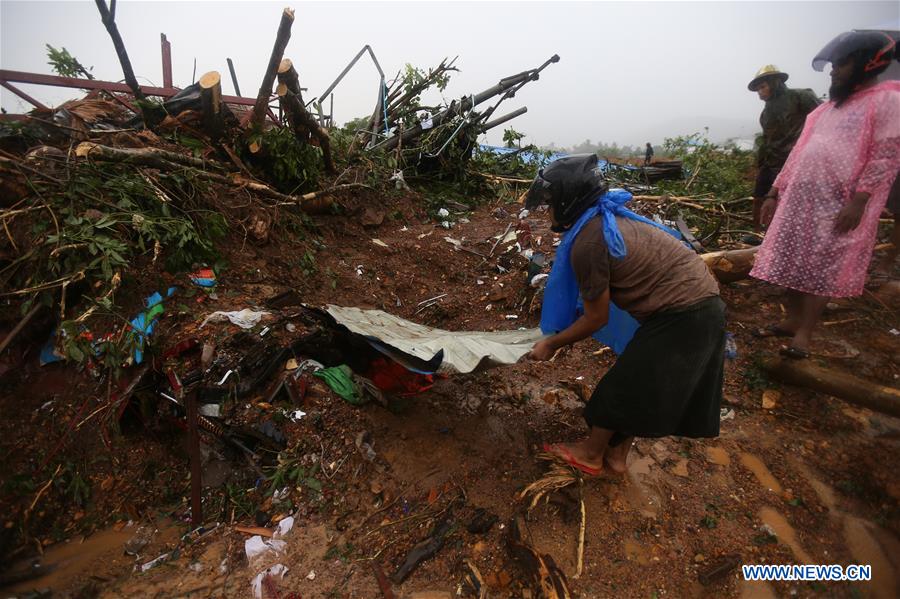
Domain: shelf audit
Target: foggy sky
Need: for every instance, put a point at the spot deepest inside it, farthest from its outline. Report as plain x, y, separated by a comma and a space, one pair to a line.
629, 72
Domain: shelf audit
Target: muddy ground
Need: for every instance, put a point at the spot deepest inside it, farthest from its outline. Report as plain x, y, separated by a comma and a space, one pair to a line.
801, 478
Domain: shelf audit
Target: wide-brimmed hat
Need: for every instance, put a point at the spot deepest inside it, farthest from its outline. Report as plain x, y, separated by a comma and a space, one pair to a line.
770, 70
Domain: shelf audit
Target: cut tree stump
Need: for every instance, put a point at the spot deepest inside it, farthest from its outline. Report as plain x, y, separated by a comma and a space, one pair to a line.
803, 373
211, 102
731, 265
265, 89
287, 76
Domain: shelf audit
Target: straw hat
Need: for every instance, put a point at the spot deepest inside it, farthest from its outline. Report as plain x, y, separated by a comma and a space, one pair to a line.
769, 70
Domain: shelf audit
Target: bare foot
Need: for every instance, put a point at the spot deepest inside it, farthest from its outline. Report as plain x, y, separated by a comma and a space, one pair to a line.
615, 457
581, 453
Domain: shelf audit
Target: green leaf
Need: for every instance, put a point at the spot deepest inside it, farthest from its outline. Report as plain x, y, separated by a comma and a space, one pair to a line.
75, 352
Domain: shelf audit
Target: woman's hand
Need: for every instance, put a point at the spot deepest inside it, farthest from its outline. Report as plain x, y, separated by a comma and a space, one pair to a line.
542, 350
767, 212
851, 214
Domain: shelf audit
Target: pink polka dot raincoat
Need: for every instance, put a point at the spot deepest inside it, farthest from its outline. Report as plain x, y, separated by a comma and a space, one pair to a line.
841, 151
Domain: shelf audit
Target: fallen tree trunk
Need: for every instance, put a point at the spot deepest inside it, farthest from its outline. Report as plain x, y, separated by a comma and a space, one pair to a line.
265, 89
152, 157
803, 373
108, 15
731, 265
312, 202
304, 124
734, 265
211, 102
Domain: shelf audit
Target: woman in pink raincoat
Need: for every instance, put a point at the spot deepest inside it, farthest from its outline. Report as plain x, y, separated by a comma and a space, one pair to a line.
825, 204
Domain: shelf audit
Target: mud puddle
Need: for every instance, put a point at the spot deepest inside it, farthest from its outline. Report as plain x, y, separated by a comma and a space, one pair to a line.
785, 532
100, 557
761, 472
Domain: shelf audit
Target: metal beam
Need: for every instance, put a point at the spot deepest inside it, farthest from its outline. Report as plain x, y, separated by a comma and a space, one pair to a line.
21, 94
234, 82
110, 86
166, 60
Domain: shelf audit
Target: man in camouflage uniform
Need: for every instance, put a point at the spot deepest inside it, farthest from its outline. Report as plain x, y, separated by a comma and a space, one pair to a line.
782, 121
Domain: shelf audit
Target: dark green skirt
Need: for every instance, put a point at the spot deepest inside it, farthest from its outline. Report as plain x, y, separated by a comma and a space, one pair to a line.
668, 381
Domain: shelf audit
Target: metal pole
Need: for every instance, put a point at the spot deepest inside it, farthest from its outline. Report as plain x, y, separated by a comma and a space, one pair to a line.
21, 94
166, 60
237, 90
504, 118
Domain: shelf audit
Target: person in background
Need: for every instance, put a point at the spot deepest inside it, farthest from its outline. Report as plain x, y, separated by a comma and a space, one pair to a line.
825, 204
782, 121
893, 206
668, 377
648, 154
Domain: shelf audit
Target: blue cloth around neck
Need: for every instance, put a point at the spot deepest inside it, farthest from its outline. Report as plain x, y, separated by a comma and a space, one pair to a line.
562, 301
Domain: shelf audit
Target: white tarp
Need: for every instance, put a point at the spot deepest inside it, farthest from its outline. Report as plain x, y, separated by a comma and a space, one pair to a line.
464, 351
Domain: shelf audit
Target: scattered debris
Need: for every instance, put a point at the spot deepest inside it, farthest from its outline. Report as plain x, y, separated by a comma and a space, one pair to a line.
246, 318
424, 550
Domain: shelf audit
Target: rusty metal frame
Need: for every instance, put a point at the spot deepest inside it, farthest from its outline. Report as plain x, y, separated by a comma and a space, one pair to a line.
110, 86
21, 94
166, 48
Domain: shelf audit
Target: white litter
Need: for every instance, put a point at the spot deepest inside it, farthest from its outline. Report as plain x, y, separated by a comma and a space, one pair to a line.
509, 237
524, 213
399, 181
210, 409
246, 318
277, 571
284, 528
539, 280
311, 575
260, 551
225, 378
443, 213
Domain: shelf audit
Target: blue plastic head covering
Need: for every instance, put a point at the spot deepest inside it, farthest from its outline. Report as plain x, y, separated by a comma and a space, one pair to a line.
878, 46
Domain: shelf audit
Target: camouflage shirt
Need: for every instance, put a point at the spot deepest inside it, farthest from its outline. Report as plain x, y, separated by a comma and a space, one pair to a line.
782, 121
